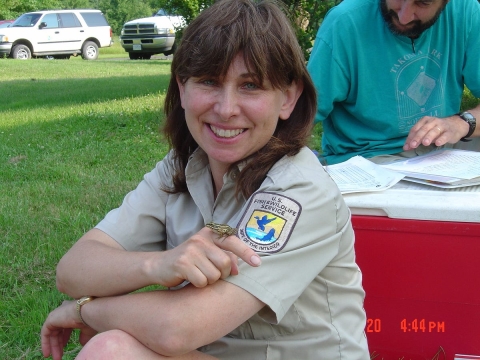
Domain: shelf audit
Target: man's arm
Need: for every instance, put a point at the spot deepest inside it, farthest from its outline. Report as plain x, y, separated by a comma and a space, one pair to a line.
440, 131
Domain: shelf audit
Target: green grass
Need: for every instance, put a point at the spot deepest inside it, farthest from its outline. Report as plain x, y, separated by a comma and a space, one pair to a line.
75, 136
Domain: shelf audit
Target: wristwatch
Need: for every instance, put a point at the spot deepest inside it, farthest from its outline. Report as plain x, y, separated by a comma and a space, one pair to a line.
472, 123
80, 302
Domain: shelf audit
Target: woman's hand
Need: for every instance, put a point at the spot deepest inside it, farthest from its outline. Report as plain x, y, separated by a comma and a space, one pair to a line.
203, 259
58, 327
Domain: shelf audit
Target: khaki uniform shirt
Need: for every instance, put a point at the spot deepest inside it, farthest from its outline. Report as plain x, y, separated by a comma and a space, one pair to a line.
297, 222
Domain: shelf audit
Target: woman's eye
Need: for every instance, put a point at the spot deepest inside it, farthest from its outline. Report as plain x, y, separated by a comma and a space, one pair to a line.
208, 82
251, 86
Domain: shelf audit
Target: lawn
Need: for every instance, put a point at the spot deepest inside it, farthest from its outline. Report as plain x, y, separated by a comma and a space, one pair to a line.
75, 136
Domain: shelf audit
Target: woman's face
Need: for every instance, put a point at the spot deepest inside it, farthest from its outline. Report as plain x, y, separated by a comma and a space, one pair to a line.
231, 118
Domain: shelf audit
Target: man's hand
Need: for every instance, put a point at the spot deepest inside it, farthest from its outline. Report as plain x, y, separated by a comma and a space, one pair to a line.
203, 259
58, 327
439, 131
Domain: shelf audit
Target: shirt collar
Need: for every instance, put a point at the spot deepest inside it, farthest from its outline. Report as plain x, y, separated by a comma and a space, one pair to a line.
199, 160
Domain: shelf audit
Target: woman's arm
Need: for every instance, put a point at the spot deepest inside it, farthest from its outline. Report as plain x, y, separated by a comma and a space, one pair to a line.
175, 322
171, 323
98, 266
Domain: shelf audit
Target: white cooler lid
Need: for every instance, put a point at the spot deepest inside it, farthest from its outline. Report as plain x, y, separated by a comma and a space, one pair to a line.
407, 200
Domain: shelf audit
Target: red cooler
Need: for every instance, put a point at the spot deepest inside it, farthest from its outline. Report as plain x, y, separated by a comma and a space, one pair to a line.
419, 251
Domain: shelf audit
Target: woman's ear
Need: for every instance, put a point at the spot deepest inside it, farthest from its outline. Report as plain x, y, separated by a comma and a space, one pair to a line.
181, 90
291, 95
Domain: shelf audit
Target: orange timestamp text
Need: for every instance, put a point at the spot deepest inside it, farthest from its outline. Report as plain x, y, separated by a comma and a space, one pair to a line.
415, 325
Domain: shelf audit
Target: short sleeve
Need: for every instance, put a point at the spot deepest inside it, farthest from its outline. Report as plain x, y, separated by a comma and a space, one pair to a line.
326, 70
321, 237
139, 223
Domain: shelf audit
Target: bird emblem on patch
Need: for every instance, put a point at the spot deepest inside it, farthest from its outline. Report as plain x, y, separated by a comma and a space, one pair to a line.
268, 221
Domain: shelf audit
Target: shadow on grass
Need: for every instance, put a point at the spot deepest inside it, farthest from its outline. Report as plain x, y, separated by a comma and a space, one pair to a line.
36, 93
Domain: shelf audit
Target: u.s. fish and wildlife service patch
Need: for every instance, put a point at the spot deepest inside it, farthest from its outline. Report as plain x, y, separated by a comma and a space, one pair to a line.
268, 221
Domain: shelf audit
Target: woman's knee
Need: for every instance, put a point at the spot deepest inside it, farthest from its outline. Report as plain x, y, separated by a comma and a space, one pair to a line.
112, 344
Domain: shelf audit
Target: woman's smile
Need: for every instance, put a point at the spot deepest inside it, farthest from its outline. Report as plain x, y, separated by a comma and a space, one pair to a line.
225, 133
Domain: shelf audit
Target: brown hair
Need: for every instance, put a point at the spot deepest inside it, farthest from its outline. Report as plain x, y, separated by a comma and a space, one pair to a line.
263, 34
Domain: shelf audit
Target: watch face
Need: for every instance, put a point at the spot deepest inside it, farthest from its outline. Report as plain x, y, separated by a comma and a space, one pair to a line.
472, 123
468, 117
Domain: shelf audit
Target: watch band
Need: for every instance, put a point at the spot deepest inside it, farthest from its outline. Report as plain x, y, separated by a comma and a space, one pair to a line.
472, 123
80, 302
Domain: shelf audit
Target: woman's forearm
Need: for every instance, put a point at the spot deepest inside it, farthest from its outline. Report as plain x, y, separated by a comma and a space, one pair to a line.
173, 322
98, 266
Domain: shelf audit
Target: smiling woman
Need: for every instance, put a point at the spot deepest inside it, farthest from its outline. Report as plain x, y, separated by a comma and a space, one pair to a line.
234, 116
239, 220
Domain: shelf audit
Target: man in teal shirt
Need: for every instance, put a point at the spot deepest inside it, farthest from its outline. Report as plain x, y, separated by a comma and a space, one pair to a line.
390, 75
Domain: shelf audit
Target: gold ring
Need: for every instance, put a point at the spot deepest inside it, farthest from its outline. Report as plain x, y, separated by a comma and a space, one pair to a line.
221, 229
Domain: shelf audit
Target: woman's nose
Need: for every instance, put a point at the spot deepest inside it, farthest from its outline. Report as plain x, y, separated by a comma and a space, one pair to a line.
227, 104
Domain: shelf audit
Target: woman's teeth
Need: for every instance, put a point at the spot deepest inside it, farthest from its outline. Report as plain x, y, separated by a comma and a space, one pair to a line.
225, 133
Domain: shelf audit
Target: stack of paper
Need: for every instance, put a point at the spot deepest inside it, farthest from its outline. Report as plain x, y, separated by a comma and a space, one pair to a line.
359, 174
447, 168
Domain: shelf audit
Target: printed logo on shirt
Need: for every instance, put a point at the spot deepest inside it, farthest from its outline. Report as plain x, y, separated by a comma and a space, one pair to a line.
268, 222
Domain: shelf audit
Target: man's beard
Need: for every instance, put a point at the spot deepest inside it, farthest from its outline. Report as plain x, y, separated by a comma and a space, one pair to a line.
412, 32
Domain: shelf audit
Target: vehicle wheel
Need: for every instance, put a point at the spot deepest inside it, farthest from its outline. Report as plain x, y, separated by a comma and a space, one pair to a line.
172, 50
146, 56
134, 56
21, 52
90, 51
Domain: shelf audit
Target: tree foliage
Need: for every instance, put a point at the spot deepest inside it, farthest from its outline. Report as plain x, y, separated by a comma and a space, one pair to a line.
189, 9
306, 15
11, 9
119, 12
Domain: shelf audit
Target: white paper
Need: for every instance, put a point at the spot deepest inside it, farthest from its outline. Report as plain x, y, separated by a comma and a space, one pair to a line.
360, 175
447, 163
443, 185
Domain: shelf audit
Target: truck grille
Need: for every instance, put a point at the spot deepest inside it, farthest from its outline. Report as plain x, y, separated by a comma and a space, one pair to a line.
139, 29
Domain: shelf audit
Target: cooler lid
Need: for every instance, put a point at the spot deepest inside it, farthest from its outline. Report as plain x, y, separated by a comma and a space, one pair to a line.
407, 200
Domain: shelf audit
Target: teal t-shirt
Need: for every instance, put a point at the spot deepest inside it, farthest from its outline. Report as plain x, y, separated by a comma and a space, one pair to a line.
373, 86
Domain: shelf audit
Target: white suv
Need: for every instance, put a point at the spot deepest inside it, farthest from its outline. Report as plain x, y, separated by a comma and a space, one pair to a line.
59, 33
145, 37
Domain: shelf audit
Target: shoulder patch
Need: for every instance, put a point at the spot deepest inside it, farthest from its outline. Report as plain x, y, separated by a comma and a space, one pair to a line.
268, 222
